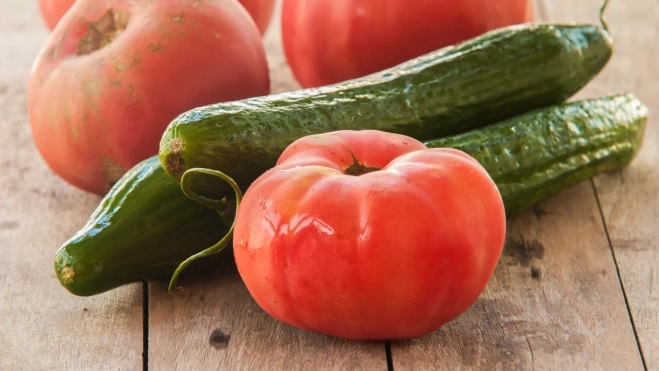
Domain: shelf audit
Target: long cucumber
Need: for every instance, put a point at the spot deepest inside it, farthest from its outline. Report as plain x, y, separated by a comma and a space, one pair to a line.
498, 75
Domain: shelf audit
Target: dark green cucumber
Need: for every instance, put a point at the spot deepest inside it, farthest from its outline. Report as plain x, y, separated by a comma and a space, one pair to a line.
142, 230
490, 78
538, 154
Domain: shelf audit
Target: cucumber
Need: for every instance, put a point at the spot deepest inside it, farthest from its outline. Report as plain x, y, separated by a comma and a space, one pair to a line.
538, 154
145, 227
456, 89
142, 230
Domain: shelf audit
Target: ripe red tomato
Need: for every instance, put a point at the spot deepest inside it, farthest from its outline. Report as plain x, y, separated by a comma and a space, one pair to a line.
369, 235
53, 10
329, 41
260, 10
112, 76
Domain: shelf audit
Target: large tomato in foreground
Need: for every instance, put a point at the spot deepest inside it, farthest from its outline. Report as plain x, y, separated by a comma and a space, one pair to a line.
260, 10
114, 73
369, 235
328, 41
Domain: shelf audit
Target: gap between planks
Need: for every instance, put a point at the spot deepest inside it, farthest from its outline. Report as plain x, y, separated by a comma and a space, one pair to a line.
622, 285
145, 326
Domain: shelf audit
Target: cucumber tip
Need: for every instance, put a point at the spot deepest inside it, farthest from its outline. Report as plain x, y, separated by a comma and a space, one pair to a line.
174, 163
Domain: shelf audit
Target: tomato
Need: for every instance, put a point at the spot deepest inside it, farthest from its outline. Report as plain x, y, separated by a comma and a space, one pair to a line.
111, 77
369, 235
53, 10
329, 41
260, 10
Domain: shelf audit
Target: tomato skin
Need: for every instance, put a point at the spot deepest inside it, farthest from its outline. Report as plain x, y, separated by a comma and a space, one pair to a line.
391, 254
95, 116
260, 10
327, 41
53, 10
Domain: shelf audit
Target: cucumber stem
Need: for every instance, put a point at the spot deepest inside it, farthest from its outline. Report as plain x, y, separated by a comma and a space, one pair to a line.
217, 205
605, 25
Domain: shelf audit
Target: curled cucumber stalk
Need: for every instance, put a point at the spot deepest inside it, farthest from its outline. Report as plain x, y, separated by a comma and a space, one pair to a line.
605, 25
217, 205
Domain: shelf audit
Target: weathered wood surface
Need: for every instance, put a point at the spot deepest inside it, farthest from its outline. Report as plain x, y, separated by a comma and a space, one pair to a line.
43, 326
573, 315
216, 325
553, 303
629, 199
556, 301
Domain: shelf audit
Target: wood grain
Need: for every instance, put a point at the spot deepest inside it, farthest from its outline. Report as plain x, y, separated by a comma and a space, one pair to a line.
43, 326
555, 300
216, 325
553, 303
630, 198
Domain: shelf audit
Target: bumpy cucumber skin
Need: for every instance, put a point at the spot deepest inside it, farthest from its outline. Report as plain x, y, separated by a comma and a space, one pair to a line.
142, 230
493, 77
538, 154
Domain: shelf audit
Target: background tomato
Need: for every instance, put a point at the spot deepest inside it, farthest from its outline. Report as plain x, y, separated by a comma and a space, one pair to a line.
111, 77
260, 10
329, 41
390, 254
53, 10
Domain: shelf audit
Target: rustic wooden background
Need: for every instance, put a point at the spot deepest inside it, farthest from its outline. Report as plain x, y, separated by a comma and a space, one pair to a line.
577, 286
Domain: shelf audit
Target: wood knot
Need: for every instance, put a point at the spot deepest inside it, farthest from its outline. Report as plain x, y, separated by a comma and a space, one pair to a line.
219, 340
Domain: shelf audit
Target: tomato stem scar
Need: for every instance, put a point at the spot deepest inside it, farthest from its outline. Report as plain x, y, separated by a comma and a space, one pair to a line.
103, 31
357, 168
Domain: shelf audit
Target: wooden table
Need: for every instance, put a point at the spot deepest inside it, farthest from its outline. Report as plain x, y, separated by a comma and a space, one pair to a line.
577, 286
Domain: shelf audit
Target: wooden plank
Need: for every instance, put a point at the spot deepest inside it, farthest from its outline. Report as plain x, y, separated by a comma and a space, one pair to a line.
45, 327
216, 325
554, 301
630, 198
